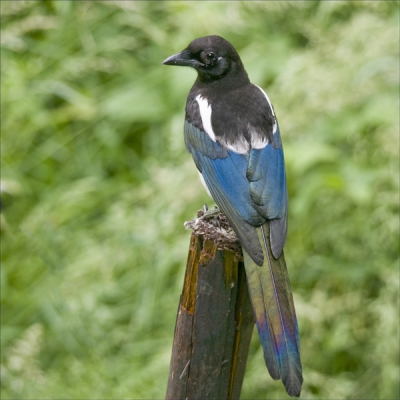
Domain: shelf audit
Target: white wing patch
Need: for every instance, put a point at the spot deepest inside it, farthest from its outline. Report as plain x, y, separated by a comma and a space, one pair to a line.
272, 110
241, 146
205, 114
257, 141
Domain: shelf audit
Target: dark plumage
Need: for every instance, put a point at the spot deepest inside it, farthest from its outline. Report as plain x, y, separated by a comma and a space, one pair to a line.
233, 136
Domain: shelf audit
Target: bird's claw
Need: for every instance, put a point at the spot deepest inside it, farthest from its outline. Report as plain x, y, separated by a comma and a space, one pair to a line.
210, 216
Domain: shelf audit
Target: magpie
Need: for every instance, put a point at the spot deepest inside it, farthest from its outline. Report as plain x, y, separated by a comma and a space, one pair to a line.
233, 136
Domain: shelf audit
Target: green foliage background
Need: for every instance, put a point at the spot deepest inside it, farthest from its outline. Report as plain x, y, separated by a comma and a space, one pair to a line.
96, 185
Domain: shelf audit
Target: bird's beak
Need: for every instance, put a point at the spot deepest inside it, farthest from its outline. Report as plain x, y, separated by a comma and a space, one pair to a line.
183, 59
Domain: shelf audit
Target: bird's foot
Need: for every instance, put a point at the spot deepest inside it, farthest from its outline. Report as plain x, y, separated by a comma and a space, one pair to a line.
213, 225
211, 216
213, 220
205, 216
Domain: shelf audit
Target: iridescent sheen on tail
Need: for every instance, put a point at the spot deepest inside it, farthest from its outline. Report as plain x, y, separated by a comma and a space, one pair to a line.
275, 315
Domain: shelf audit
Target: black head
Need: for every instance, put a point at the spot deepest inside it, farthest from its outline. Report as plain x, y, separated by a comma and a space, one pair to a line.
212, 57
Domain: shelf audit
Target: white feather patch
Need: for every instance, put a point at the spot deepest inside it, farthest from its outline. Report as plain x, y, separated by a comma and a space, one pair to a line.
257, 141
205, 114
241, 146
204, 183
272, 110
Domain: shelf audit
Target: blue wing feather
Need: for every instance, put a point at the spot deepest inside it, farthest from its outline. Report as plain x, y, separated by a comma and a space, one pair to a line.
252, 185
266, 173
225, 183
199, 140
224, 172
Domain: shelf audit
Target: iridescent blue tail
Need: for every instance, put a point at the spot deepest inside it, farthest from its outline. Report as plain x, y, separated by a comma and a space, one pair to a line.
275, 315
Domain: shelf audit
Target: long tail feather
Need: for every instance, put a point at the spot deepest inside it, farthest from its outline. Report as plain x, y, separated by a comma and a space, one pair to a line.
275, 315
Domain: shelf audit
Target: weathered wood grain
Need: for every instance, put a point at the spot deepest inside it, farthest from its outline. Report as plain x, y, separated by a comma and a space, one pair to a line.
213, 326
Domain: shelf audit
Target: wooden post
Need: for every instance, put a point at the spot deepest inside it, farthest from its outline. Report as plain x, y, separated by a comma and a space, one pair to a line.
214, 321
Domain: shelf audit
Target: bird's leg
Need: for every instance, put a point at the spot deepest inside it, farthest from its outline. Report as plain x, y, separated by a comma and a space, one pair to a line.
211, 216
205, 216
214, 224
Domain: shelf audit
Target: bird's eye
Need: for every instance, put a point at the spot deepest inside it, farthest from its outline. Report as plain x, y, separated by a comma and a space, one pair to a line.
210, 56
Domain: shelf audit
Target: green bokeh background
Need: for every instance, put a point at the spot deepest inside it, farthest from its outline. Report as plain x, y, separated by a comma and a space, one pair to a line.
96, 185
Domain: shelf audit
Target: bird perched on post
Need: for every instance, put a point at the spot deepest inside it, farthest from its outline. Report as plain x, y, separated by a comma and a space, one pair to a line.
233, 136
